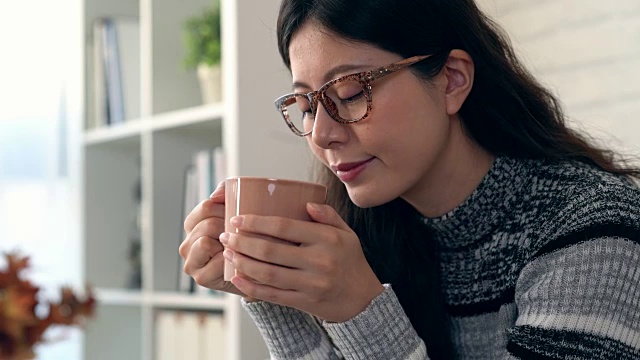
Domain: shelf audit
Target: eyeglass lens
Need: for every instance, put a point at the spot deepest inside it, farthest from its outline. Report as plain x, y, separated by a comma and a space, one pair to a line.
349, 99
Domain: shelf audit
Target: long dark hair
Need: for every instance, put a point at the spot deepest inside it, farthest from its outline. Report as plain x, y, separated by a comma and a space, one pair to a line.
507, 112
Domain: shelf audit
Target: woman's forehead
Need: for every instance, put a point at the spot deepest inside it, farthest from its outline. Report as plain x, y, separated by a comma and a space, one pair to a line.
315, 43
314, 50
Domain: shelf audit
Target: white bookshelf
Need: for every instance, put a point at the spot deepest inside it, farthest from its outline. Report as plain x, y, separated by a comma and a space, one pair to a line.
119, 297
113, 134
157, 147
181, 301
160, 299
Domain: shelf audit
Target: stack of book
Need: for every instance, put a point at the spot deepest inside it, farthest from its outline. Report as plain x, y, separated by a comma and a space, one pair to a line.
115, 71
189, 335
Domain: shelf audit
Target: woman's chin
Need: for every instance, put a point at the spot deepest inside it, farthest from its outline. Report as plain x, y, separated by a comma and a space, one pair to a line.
367, 199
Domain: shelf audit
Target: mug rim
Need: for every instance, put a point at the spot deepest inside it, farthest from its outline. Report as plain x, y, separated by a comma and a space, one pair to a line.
280, 180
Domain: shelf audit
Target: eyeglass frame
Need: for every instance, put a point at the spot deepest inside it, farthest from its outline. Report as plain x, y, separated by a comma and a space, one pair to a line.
365, 78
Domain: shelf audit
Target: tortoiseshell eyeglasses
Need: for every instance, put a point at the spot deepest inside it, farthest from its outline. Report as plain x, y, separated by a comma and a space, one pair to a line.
346, 99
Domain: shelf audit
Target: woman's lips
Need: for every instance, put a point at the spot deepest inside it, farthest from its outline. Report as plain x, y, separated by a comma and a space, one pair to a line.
349, 171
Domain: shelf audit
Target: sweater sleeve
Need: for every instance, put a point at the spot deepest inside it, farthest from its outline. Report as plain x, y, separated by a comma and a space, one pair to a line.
290, 334
580, 298
382, 331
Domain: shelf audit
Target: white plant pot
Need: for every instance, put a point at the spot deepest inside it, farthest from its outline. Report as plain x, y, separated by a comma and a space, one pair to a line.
210, 83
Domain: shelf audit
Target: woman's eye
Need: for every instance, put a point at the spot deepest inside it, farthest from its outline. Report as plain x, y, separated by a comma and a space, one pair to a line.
304, 107
353, 98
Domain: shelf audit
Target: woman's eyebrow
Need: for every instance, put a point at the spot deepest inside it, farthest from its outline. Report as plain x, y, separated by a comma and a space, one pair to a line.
333, 73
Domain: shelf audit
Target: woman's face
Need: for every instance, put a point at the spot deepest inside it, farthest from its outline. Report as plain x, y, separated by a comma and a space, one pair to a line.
391, 152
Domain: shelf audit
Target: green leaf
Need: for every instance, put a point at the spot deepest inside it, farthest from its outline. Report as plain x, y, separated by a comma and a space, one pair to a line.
201, 38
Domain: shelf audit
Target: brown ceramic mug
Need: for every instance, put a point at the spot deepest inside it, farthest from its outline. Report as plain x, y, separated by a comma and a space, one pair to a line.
268, 197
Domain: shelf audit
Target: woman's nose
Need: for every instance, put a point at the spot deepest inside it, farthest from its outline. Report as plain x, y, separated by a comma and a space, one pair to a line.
328, 133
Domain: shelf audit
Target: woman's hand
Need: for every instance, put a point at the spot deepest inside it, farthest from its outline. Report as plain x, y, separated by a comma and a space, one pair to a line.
201, 248
327, 275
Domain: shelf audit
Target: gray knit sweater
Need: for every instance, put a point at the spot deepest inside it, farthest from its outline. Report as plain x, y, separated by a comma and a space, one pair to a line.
542, 261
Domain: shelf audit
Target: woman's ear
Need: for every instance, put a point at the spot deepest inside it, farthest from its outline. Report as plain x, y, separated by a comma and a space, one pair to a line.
459, 71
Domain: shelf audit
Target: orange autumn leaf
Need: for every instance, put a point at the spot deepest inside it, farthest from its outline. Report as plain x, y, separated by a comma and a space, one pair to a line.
20, 328
19, 306
15, 264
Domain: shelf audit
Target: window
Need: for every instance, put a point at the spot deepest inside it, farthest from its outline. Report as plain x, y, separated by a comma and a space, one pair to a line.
39, 153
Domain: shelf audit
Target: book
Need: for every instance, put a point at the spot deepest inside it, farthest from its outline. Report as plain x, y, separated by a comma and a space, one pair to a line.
115, 112
213, 339
166, 339
98, 100
189, 196
219, 166
197, 335
202, 161
187, 327
115, 70
206, 169
128, 48
218, 174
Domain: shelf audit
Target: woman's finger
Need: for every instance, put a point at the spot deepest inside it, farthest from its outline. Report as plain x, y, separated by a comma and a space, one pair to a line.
211, 227
292, 230
203, 251
211, 207
210, 274
265, 292
264, 249
265, 273
325, 214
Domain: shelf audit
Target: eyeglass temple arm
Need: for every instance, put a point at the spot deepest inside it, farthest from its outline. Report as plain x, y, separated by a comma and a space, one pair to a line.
386, 70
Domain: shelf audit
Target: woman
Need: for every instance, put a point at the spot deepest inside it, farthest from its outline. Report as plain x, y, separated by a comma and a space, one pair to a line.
464, 219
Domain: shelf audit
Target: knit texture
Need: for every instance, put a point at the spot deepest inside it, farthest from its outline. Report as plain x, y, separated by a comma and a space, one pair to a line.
542, 261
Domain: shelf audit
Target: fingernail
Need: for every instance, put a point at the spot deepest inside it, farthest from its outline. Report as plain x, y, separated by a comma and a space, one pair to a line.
237, 221
228, 254
315, 207
224, 238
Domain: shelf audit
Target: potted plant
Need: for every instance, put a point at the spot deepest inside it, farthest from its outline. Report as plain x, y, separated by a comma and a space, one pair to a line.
203, 45
21, 329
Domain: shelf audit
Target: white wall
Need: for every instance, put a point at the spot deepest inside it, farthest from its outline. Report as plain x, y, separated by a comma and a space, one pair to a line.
588, 53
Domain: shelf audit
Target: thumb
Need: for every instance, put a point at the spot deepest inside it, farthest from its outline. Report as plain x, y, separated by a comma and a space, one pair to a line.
325, 214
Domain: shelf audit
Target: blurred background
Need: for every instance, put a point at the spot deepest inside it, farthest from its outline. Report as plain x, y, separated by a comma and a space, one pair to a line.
40, 132
588, 53
116, 117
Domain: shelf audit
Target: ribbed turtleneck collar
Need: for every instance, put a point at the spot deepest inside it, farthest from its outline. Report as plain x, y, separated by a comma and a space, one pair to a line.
484, 209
